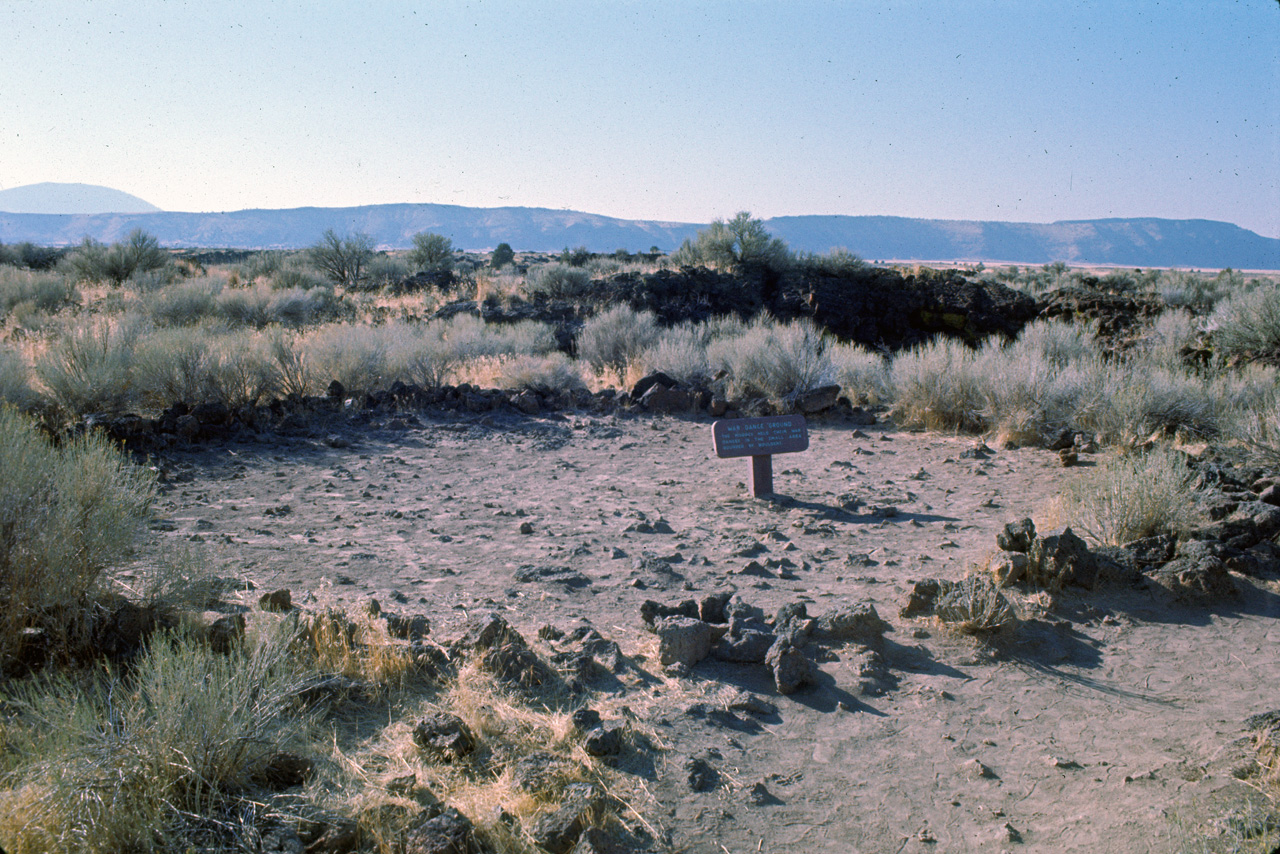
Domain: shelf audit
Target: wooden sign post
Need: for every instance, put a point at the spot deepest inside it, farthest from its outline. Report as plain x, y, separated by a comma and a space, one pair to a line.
760, 439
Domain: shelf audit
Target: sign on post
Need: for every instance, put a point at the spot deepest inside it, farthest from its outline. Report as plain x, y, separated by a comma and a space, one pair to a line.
760, 439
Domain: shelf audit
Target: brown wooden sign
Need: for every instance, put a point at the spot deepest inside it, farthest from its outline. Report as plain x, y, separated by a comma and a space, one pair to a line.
760, 439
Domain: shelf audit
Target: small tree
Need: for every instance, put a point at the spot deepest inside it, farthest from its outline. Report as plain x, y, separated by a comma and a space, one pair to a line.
342, 259
741, 243
431, 252
139, 253
502, 256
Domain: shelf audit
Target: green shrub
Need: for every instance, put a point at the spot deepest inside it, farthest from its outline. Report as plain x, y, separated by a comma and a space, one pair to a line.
740, 244
169, 755
15, 380
44, 291
1247, 324
66, 514
502, 256
89, 368
559, 281
138, 253
937, 387
261, 306
342, 259
778, 362
184, 303
838, 262
355, 356
1129, 497
431, 252
617, 337
864, 377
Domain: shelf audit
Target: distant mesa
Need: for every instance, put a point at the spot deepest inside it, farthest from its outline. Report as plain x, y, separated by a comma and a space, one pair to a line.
51, 198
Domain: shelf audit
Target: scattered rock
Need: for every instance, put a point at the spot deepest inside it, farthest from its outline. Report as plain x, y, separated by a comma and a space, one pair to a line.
1061, 558
682, 640
450, 832
605, 740
701, 776
791, 669
818, 400
859, 623
1068, 457
651, 611
1197, 578
444, 737
1017, 536
277, 600
1008, 568
760, 796
558, 830
923, 597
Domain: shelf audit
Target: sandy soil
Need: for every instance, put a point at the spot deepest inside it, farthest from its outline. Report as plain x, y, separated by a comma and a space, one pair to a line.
1092, 729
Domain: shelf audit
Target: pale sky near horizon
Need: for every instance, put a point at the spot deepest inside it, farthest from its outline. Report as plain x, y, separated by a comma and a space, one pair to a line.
1035, 111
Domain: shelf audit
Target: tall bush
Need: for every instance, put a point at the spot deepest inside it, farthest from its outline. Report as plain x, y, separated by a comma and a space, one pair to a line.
342, 259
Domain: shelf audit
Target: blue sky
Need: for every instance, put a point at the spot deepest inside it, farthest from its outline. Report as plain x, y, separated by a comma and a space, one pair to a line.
1037, 110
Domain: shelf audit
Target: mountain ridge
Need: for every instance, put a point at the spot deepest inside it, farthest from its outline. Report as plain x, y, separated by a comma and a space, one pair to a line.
1136, 241
49, 197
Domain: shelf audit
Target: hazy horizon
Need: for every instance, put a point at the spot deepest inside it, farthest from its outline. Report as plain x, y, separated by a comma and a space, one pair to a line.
977, 111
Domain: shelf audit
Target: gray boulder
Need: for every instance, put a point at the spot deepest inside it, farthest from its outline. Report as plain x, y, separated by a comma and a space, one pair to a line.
682, 640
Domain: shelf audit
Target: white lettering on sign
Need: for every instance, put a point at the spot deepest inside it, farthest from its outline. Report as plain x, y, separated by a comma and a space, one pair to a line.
751, 437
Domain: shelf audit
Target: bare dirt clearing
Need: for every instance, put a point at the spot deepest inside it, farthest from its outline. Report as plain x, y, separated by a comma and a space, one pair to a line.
1088, 729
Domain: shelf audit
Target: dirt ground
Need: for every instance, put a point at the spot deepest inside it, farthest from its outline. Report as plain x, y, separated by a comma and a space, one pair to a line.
1113, 722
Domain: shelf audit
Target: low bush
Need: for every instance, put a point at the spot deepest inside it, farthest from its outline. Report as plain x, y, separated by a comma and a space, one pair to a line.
138, 253
67, 513
558, 281
89, 368
1247, 324
1131, 496
354, 355
616, 337
864, 377
15, 380
184, 303
167, 756
546, 373
174, 365
936, 386
43, 291
778, 362
680, 353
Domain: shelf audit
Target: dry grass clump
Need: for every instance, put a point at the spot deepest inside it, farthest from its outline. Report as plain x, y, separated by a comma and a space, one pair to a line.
66, 514
166, 756
975, 606
354, 644
1130, 496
